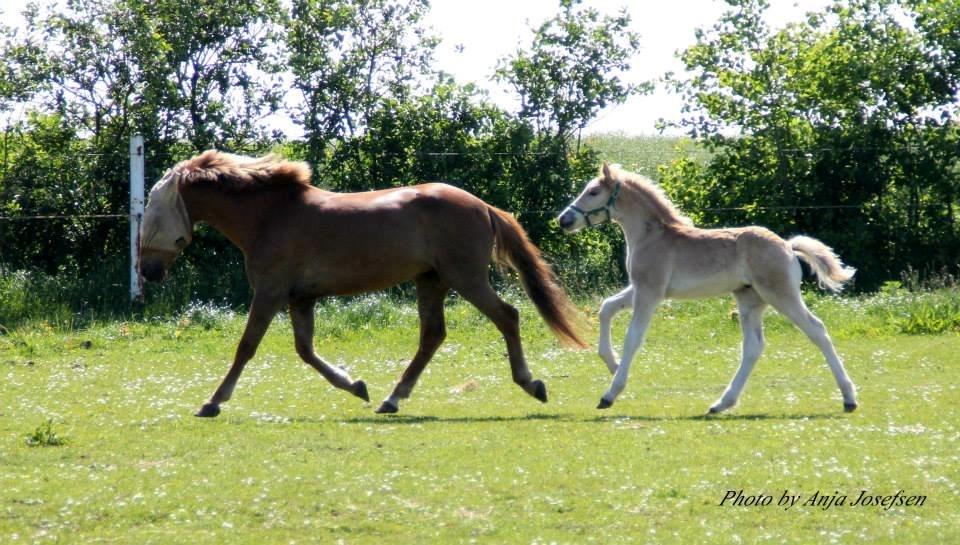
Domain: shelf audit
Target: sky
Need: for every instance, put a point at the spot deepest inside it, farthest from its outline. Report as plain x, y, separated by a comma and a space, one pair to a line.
476, 34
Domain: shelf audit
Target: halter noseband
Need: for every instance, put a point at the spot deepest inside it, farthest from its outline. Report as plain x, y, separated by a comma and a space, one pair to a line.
605, 208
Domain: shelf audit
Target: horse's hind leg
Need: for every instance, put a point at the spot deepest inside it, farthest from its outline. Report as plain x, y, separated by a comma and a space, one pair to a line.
262, 310
608, 310
431, 293
750, 307
301, 317
791, 305
507, 320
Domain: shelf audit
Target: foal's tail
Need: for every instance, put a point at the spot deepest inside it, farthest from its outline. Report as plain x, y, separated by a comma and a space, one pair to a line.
515, 249
831, 273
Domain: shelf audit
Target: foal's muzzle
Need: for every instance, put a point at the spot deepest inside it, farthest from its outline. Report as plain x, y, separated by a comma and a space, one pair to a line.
567, 219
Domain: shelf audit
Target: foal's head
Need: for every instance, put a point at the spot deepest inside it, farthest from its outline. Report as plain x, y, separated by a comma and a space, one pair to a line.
166, 229
595, 204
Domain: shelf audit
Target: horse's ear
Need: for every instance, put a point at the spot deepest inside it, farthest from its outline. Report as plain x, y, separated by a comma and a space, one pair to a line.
606, 170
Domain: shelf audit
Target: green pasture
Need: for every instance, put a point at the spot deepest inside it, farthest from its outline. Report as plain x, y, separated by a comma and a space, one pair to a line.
98, 443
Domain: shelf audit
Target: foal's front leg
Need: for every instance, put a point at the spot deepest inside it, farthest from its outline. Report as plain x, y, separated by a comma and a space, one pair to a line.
643, 307
608, 310
262, 310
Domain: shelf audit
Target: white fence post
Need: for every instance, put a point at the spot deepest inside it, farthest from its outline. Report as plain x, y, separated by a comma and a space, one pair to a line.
136, 211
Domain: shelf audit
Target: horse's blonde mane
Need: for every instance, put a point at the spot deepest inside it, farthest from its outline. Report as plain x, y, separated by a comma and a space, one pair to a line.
238, 173
652, 196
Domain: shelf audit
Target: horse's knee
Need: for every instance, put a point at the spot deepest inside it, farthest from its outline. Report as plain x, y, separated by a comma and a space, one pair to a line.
435, 333
609, 309
246, 350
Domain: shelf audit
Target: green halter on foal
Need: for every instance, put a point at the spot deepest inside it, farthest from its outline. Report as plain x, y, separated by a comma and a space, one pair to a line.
605, 208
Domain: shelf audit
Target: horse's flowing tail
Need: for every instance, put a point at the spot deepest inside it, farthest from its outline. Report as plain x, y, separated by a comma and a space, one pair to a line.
831, 273
515, 249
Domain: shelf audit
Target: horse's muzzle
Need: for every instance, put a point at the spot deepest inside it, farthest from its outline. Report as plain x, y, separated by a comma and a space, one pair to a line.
152, 271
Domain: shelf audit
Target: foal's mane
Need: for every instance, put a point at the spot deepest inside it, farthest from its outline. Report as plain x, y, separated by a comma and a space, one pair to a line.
238, 173
652, 196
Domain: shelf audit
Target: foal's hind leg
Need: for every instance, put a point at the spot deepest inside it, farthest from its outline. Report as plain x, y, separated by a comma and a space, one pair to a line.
791, 305
610, 308
507, 320
301, 317
750, 307
431, 292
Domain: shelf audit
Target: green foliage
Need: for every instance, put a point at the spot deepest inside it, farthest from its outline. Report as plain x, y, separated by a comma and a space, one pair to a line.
573, 68
347, 58
847, 131
45, 436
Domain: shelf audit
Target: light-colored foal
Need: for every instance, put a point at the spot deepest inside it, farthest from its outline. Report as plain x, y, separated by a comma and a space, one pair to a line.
667, 257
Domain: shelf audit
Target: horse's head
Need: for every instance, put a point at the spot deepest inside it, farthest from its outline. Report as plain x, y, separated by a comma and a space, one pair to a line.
595, 203
166, 229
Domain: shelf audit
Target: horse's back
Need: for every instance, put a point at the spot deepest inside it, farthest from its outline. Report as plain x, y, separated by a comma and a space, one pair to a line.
355, 242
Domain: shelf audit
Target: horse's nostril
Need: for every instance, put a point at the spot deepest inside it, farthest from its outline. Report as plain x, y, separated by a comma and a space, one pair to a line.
566, 220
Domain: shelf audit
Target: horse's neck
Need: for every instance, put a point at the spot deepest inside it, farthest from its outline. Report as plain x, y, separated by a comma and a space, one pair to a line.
637, 226
234, 215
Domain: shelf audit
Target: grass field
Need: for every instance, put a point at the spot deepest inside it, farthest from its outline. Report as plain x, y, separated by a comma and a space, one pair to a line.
98, 445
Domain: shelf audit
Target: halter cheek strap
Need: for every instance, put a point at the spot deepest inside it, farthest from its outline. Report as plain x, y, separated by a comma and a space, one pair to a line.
605, 208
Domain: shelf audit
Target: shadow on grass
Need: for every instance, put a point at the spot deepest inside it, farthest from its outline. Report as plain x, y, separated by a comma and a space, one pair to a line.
431, 419
716, 417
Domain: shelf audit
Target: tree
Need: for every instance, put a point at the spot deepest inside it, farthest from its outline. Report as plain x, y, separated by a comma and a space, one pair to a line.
573, 68
832, 112
346, 57
208, 67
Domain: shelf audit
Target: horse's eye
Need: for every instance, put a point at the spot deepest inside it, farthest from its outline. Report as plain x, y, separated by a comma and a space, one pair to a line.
594, 192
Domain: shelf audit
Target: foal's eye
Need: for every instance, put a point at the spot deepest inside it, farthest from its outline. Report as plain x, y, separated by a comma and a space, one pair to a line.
594, 192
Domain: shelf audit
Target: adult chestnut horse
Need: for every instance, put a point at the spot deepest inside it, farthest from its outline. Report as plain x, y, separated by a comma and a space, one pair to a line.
301, 243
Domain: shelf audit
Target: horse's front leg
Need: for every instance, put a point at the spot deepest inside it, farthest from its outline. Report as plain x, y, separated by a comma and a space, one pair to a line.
301, 317
262, 310
643, 307
608, 310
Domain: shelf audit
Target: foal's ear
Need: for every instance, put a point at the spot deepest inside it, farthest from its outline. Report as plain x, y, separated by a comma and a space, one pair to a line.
606, 170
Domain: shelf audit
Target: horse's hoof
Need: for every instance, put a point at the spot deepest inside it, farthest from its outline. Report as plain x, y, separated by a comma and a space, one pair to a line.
360, 390
387, 408
540, 391
604, 404
849, 407
209, 410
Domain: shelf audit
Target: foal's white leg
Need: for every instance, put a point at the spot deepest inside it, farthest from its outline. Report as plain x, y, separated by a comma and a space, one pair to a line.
610, 308
750, 307
643, 307
792, 307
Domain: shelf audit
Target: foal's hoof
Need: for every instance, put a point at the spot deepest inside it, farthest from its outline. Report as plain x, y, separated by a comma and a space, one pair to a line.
540, 391
387, 408
604, 404
359, 389
849, 407
209, 410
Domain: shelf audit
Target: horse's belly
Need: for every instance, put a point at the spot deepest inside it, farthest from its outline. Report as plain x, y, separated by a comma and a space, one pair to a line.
358, 278
695, 287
